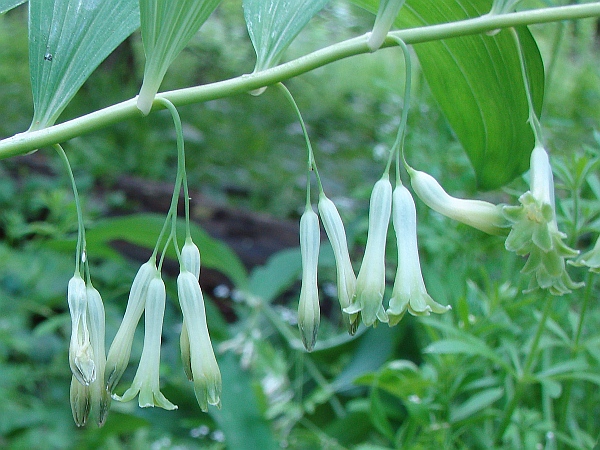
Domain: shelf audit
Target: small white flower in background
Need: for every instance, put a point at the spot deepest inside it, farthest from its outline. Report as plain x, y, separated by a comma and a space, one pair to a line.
535, 231
409, 291
370, 283
120, 349
479, 214
386, 14
81, 354
309, 315
205, 371
146, 381
346, 279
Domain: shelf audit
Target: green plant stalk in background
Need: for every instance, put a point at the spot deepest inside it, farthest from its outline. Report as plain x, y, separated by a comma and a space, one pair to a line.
26, 142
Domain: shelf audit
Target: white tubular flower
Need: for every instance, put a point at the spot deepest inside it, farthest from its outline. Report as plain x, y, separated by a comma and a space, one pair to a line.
190, 260
80, 401
386, 14
81, 354
146, 381
309, 315
205, 371
409, 291
370, 284
479, 214
120, 349
346, 279
99, 396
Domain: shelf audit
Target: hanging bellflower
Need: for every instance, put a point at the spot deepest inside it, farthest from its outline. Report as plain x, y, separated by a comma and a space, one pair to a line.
370, 283
309, 315
409, 293
190, 260
81, 354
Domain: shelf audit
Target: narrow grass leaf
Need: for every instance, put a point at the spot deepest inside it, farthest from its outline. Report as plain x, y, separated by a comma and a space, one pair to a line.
475, 404
68, 39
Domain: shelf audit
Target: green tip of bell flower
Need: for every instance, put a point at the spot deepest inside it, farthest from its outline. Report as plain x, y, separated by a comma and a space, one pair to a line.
80, 401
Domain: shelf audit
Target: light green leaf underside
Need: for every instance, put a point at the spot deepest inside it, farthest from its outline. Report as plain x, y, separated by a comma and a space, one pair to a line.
273, 25
477, 83
167, 27
7, 5
68, 39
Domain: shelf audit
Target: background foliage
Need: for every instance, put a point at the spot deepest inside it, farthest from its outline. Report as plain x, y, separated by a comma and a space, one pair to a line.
428, 383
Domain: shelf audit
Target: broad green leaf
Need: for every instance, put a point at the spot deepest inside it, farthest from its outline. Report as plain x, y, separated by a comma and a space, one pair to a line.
273, 25
167, 27
143, 230
7, 5
67, 41
475, 403
477, 83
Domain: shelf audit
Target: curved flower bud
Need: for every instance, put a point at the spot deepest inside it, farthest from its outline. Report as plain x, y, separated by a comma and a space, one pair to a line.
190, 260
80, 401
205, 371
99, 396
409, 291
346, 280
479, 214
370, 283
386, 14
146, 381
120, 349
535, 230
309, 315
81, 354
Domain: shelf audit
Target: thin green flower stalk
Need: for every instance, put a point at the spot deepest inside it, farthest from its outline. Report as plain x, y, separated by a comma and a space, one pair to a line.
370, 283
484, 216
167, 27
409, 292
146, 382
346, 279
386, 14
120, 349
309, 315
205, 370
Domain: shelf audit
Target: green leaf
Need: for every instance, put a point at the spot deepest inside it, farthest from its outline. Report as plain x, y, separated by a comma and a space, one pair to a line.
273, 25
474, 404
167, 27
67, 41
477, 83
472, 346
7, 5
143, 230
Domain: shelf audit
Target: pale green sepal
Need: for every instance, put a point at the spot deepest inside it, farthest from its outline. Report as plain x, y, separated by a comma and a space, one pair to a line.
273, 25
386, 14
167, 27
370, 283
68, 39
120, 349
346, 279
309, 315
147, 378
409, 292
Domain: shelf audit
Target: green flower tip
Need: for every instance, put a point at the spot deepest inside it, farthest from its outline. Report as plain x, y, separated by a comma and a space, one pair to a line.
590, 259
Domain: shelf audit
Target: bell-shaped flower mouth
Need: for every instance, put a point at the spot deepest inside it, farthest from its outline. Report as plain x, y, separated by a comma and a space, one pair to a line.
409, 292
479, 214
204, 369
346, 279
146, 381
370, 283
309, 315
120, 349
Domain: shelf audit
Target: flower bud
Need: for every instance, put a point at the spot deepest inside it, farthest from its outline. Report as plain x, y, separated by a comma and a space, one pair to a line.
147, 378
309, 315
484, 216
81, 354
120, 349
346, 280
370, 283
190, 257
386, 14
409, 291
205, 371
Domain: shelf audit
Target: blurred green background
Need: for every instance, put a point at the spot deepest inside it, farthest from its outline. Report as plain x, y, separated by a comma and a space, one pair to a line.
247, 154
